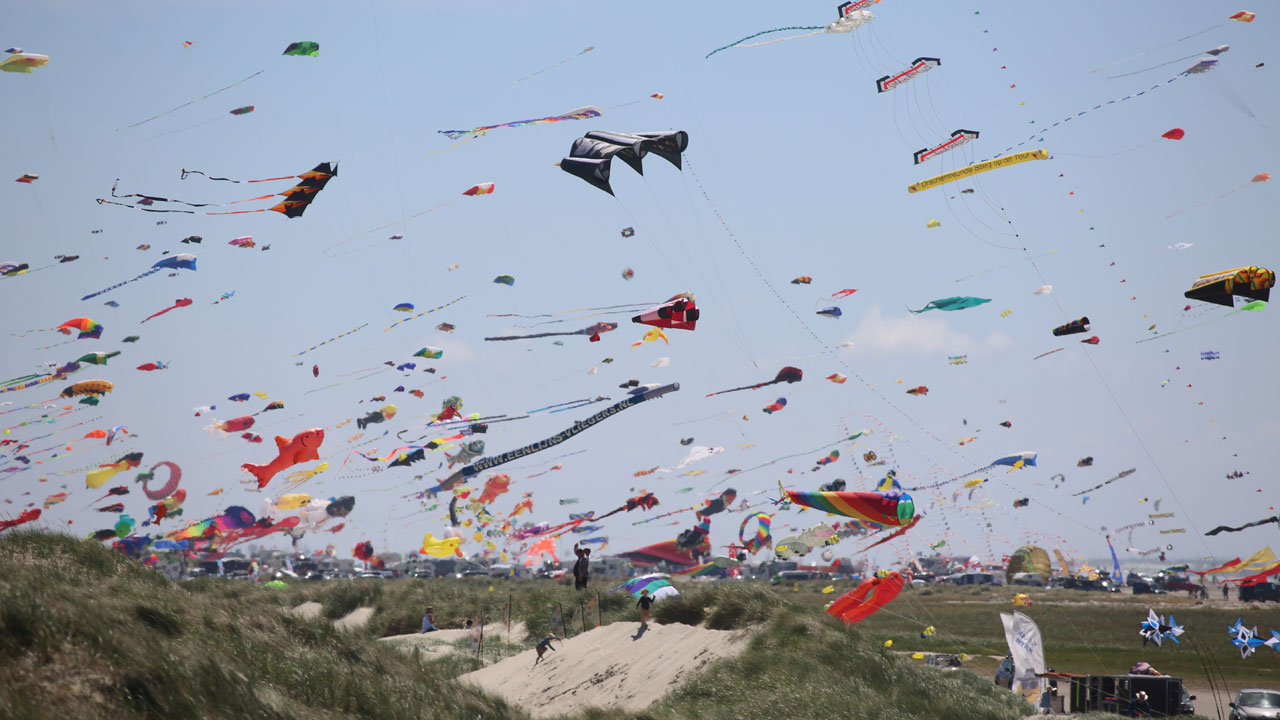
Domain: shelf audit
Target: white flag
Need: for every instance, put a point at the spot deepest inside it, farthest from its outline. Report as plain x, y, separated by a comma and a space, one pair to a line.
1023, 637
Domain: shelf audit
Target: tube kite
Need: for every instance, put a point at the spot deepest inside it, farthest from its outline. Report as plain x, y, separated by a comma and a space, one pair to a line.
976, 168
861, 602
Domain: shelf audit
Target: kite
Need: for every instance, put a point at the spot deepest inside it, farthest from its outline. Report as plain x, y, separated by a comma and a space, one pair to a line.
87, 387
919, 390
306, 48
1123, 474
852, 17
957, 359
418, 315
640, 394
1091, 340
591, 155
1256, 523
234, 425
1075, 327
179, 303
653, 335
27, 515
386, 413
593, 331
23, 62
481, 189
98, 478
1259, 178
242, 242
296, 199
181, 261
443, 547
831, 457
628, 232
242, 110
678, 313
644, 501
403, 307
1219, 288
582, 113
12, 269
1043, 290
1016, 460
871, 595
844, 293
86, 328
301, 448
1085, 462
802, 280
446, 327
191, 102
976, 168
1210, 355
919, 66
951, 303
775, 406
507, 280
785, 375
831, 312
493, 487
1243, 16
933, 224
893, 509
958, 138
837, 378
27, 178
466, 453
550, 67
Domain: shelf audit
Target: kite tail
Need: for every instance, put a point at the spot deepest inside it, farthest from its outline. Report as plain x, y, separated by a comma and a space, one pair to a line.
120, 284
186, 172
765, 32
103, 201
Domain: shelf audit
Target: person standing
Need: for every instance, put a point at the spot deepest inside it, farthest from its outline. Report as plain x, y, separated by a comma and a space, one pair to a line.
644, 603
1226, 590
581, 567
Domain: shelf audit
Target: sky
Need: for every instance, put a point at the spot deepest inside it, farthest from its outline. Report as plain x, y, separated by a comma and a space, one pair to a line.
795, 166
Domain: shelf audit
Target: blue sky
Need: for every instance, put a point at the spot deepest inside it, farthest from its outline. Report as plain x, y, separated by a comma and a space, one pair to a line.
805, 163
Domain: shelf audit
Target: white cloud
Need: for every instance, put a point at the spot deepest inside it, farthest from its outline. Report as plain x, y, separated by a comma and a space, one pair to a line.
926, 334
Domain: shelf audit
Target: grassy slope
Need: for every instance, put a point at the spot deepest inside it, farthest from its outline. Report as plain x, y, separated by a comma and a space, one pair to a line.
85, 633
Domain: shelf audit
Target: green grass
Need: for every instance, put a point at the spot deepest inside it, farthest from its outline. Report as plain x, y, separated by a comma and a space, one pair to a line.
87, 633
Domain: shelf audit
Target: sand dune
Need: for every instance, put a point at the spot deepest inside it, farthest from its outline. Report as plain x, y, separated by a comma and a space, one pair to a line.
444, 641
610, 666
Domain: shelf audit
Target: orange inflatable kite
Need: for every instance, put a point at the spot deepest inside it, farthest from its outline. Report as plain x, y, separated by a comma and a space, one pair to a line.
861, 602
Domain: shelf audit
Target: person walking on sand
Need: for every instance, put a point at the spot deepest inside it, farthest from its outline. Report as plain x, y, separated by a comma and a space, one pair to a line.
429, 621
1226, 590
644, 603
543, 644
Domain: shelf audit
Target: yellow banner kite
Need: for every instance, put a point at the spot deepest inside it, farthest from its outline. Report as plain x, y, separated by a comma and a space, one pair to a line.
976, 168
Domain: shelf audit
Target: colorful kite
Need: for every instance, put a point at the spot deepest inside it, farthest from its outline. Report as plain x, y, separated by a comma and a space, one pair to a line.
891, 509
678, 313
182, 261
179, 303
1075, 327
1219, 288
23, 62
582, 113
296, 199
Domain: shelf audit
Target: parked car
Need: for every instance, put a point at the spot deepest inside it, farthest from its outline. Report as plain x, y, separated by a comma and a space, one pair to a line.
1148, 588
973, 578
792, 576
1029, 579
1262, 592
1255, 703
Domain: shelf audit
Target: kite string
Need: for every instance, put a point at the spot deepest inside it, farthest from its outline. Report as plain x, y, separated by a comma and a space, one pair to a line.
191, 102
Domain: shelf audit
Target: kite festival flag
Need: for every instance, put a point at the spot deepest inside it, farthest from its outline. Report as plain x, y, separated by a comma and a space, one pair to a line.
1027, 651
